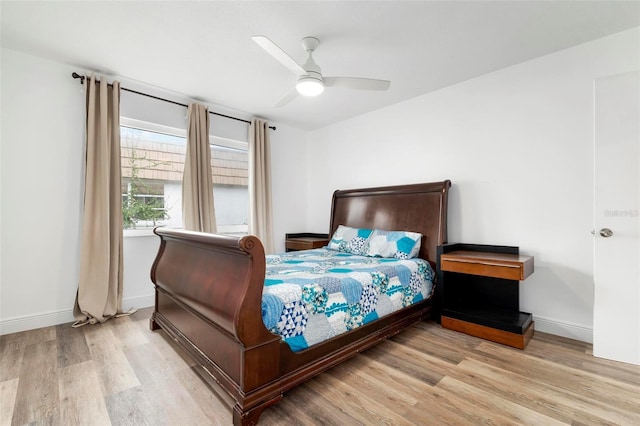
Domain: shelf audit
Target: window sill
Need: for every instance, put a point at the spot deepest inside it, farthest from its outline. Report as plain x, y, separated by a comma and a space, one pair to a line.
128, 233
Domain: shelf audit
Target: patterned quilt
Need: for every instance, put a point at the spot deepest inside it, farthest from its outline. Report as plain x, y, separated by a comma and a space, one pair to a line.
310, 296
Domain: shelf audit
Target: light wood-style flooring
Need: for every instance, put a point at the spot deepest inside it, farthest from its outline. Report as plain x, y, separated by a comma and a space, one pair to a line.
120, 373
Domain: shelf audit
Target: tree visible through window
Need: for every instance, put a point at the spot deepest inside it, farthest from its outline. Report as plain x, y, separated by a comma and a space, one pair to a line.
142, 199
152, 167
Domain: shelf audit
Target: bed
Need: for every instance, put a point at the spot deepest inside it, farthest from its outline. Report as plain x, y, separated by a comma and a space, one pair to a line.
209, 295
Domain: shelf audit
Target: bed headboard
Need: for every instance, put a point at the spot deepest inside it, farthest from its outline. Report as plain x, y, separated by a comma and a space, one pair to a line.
419, 208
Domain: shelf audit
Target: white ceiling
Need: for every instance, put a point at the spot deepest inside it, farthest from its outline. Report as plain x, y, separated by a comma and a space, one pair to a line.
204, 49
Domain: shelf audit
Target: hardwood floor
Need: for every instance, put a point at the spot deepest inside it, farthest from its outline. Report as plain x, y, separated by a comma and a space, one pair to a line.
120, 373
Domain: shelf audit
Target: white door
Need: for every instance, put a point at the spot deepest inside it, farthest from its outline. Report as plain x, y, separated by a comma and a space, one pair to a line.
616, 313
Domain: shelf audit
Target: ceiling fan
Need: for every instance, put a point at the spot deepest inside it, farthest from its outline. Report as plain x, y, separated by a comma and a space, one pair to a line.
310, 80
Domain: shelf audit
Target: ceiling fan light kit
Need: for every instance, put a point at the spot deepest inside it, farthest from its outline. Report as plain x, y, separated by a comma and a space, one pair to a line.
310, 81
309, 86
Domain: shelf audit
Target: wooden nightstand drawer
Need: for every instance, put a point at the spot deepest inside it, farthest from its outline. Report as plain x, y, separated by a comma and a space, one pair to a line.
496, 265
305, 241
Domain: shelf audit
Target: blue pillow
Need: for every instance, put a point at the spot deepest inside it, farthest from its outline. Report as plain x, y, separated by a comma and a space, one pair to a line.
393, 244
349, 240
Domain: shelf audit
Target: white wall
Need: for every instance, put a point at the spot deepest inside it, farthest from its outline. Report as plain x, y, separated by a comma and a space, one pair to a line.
289, 174
518, 147
42, 167
42, 160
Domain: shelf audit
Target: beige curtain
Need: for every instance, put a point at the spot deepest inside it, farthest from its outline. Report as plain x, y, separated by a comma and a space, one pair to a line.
260, 221
99, 295
198, 213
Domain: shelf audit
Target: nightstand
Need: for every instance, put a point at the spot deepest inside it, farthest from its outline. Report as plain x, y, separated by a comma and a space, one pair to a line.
479, 292
305, 241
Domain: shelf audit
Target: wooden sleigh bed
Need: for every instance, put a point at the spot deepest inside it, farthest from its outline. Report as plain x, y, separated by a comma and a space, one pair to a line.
209, 291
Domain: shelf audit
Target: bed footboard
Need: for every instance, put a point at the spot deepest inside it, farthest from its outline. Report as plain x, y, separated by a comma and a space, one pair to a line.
208, 299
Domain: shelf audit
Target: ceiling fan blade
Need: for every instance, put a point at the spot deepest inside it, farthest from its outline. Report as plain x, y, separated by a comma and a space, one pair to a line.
357, 83
280, 55
286, 98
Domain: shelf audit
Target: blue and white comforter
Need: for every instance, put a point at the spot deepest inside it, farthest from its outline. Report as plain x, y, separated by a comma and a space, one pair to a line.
310, 296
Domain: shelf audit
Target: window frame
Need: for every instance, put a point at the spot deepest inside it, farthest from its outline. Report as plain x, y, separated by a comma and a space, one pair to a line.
218, 141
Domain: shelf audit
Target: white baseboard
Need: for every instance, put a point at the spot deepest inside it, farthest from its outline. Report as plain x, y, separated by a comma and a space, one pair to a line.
65, 316
138, 302
558, 328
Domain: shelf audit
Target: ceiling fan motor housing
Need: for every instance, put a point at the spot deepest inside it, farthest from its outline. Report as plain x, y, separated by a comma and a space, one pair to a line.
310, 83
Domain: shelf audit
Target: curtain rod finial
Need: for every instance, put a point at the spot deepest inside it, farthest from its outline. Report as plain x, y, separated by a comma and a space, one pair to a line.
76, 75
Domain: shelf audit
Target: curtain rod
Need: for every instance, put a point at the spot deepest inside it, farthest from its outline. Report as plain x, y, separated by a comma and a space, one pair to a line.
82, 78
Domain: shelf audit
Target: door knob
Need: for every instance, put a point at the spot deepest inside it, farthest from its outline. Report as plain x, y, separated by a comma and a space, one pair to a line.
606, 232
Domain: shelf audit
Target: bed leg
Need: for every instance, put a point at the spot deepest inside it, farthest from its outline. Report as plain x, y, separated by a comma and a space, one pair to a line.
153, 325
250, 417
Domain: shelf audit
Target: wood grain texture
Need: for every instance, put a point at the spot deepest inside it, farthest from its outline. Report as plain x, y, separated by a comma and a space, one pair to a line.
424, 375
8, 392
497, 265
516, 340
81, 400
363, 404
127, 332
163, 387
112, 365
212, 405
37, 396
132, 407
12, 349
71, 346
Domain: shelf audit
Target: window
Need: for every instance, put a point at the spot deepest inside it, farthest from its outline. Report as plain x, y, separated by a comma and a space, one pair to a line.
142, 202
152, 165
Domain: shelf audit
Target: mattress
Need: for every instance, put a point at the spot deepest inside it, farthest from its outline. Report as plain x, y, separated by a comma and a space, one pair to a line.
313, 295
